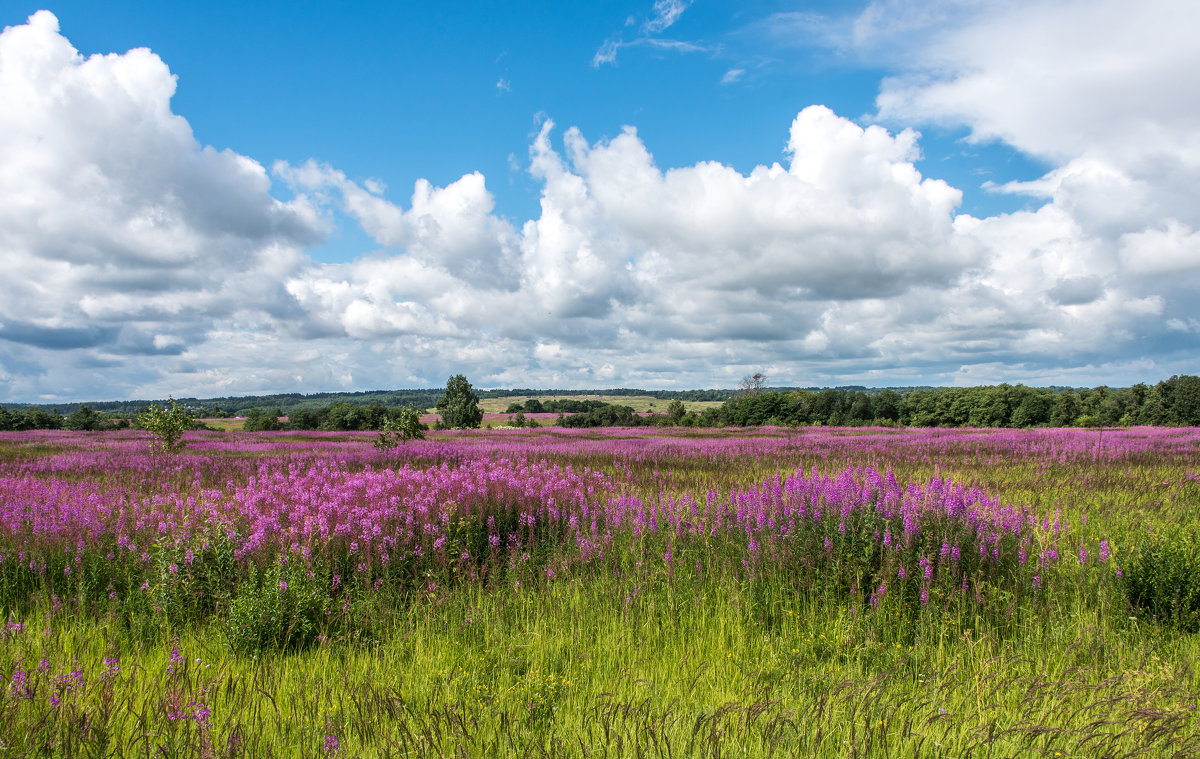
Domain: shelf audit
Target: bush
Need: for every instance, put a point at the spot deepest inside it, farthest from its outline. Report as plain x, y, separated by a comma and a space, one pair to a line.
167, 424
192, 579
399, 426
1162, 580
283, 609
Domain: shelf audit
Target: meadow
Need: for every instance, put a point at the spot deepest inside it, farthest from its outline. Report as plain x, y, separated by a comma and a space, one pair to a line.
809, 592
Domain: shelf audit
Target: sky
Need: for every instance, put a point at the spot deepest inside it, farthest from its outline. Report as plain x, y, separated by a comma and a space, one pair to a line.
235, 198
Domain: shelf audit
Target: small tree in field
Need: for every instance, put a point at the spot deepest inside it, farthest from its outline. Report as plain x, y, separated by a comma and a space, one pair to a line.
167, 425
400, 426
459, 406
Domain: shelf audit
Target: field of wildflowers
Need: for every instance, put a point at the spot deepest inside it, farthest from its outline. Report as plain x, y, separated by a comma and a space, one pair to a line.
612, 592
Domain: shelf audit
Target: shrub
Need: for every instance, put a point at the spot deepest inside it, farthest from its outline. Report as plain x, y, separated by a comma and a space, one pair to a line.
399, 426
1162, 580
282, 609
167, 424
192, 579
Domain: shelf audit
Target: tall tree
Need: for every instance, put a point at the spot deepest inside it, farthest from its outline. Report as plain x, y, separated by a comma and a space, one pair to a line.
752, 384
459, 406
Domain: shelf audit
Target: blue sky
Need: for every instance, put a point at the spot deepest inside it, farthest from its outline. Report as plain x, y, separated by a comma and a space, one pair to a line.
383, 90
969, 193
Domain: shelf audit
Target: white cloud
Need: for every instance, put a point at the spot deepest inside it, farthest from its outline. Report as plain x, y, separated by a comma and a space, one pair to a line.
143, 263
666, 13
733, 76
1060, 80
118, 232
1094, 88
645, 270
611, 47
607, 53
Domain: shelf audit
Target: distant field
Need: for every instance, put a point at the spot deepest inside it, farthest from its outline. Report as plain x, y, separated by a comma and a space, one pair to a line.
224, 425
643, 403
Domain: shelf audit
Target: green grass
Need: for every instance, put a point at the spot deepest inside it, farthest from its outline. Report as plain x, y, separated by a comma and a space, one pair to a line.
586, 668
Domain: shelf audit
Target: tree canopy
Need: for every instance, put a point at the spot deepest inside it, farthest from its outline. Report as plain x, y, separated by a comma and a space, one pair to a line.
459, 406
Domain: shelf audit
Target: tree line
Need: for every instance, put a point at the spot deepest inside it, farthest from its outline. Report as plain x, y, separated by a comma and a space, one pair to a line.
287, 403
1171, 402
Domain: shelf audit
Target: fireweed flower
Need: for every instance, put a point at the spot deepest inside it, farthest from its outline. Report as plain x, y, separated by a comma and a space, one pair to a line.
175, 662
20, 686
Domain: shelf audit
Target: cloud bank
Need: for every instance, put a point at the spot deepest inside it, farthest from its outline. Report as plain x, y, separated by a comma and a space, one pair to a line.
141, 263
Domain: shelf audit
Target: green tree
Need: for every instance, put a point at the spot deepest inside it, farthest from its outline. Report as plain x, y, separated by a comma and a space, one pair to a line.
887, 405
534, 406
258, 420
304, 419
400, 425
1034, 409
676, 411
84, 418
459, 406
1065, 409
167, 424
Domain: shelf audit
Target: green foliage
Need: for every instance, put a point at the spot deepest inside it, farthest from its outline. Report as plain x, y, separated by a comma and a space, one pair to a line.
193, 580
676, 411
283, 610
30, 419
1172, 402
534, 406
83, 419
344, 416
167, 425
258, 420
399, 426
1162, 581
605, 415
459, 406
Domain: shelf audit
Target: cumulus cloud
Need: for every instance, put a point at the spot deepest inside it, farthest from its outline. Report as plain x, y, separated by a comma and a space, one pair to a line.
647, 271
118, 231
1115, 245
